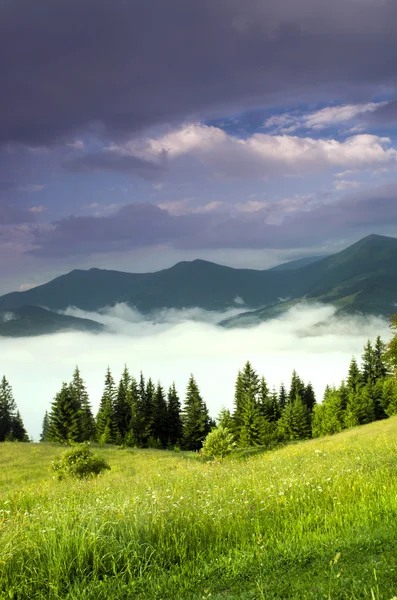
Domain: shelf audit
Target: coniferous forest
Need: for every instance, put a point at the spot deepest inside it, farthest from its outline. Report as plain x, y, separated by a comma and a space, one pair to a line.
138, 412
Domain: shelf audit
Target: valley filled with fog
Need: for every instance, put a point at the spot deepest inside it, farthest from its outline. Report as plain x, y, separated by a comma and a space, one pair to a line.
176, 343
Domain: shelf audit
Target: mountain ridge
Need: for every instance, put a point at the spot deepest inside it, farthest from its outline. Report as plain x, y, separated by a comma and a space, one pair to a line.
361, 278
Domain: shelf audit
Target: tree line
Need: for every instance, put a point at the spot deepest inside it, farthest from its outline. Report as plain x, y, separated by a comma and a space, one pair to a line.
139, 413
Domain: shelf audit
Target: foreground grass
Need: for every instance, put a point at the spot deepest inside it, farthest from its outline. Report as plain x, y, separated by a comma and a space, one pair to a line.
162, 525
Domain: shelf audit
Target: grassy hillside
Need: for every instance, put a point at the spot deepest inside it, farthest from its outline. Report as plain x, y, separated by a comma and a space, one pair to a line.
165, 525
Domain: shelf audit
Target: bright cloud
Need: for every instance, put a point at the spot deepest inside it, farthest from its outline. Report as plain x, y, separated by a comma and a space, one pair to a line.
261, 154
320, 119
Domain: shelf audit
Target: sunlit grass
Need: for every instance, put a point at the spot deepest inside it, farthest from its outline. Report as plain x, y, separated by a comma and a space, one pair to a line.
165, 525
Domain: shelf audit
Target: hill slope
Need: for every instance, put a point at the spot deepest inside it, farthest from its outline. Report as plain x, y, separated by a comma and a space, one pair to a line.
168, 525
34, 320
360, 279
297, 264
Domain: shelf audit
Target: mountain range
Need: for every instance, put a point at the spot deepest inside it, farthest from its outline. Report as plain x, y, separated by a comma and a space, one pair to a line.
360, 279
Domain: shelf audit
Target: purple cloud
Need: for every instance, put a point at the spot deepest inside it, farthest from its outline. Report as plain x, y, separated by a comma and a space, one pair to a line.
119, 67
145, 225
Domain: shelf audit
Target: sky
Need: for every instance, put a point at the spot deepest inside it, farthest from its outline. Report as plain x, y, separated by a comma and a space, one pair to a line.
138, 133
309, 339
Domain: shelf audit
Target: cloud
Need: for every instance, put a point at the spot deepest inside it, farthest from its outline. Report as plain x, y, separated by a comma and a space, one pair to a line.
32, 187
260, 155
313, 341
282, 223
6, 185
344, 184
117, 68
111, 161
13, 215
320, 119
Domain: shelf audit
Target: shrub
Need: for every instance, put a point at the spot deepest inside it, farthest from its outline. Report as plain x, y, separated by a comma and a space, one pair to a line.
218, 443
79, 462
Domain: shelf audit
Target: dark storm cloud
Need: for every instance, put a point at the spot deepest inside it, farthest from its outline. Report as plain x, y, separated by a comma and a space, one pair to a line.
13, 215
9, 213
144, 225
123, 65
111, 161
5, 186
386, 115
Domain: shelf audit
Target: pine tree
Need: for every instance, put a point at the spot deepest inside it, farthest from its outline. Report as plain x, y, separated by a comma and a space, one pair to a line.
368, 364
247, 389
269, 407
123, 408
175, 426
148, 412
360, 407
195, 419
105, 425
64, 419
294, 422
297, 387
8, 410
87, 421
138, 403
19, 432
391, 348
160, 417
251, 430
44, 437
354, 377
282, 397
225, 419
343, 394
389, 396
309, 397
381, 368
328, 417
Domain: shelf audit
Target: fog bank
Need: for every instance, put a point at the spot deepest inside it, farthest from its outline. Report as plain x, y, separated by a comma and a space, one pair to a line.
311, 340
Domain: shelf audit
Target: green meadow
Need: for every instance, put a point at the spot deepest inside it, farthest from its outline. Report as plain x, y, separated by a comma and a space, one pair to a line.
312, 520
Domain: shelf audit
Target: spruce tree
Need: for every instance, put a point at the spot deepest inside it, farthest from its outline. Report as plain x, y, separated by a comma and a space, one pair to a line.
251, 423
19, 432
270, 408
247, 389
360, 407
123, 407
87, 421
294, 422
282, 397
105, 430
381, 368
389, 396
148, 412
368, 368
195, 418
138, 404
64, 419
297, 387
354, 377
160, 417
328, 417
8, 410
175, 426
44, 437
225, 419
309, 397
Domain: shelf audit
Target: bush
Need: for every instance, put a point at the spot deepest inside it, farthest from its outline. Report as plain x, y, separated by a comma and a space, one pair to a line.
79, 462
218, 443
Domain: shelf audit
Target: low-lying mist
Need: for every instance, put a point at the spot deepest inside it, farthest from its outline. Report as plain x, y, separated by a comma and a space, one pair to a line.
175, 344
